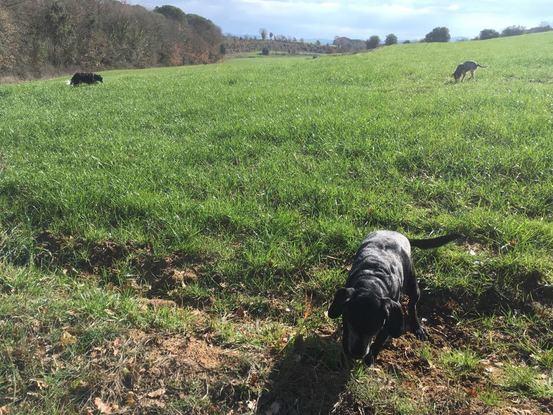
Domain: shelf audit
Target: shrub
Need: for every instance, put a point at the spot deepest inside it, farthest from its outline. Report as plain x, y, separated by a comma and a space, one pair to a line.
513, 31
373, 42
391, 39
488, 34
438, 34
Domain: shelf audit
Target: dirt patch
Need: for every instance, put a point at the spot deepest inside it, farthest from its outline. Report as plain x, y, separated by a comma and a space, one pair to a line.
306, 378
155, 372
76, 254
155, 275
166, 373
142, 372
410, 374
312, 376
408, 377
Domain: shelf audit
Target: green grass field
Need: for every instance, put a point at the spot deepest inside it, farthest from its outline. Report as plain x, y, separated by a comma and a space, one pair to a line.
170, 240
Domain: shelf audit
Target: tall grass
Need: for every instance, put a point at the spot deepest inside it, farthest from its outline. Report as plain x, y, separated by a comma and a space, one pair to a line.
271, 167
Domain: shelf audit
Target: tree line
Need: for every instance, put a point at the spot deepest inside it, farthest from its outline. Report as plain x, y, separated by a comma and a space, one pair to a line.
271, 43
441, 34
438, 34
513, 31
40, 37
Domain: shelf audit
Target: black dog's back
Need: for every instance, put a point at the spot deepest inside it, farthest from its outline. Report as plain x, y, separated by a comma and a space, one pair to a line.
383, 255
382, 248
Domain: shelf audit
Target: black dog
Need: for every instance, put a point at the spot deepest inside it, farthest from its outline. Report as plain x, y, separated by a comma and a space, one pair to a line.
369, 303
86, 78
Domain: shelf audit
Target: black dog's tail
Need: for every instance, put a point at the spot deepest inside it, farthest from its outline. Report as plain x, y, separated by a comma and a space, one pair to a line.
482, 66
434, 242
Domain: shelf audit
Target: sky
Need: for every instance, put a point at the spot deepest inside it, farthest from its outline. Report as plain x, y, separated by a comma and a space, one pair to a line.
325, 19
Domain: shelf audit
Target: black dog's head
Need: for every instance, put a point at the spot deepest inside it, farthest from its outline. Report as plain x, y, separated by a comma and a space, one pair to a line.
98, 78
457, 74
364, 315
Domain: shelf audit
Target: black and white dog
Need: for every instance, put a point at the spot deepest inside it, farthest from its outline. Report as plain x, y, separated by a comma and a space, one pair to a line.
85, 78
369, 303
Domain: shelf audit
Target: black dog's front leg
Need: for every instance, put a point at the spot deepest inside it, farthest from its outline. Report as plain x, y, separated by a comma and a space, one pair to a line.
414, 321
413, 292
375, 348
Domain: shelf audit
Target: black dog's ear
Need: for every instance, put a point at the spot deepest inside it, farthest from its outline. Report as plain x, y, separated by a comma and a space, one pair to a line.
394, 317
342, 296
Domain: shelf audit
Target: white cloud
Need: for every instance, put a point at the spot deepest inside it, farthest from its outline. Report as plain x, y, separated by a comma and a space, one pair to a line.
409, 19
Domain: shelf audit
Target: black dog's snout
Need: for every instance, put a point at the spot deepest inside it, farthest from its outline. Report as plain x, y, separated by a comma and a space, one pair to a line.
357, 354
355, 351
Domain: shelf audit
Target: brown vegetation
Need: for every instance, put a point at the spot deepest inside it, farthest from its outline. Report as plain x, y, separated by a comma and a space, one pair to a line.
279, 44
54, 36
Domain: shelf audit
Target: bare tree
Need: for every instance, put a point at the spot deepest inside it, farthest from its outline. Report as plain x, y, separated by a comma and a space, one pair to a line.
7, 42
263, 33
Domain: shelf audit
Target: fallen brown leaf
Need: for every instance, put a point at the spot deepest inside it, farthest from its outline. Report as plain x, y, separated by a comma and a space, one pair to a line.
130, 399
40, 384
105, 408
157, 393
240, 312
308, 309
67, 339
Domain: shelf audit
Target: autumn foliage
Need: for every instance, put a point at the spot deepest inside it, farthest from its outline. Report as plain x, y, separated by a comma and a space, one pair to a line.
49, 36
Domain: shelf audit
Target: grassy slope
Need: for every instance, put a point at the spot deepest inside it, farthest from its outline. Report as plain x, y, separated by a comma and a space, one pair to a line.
242, 189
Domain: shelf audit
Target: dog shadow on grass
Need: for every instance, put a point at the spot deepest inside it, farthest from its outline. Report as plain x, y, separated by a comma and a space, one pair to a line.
307, 380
